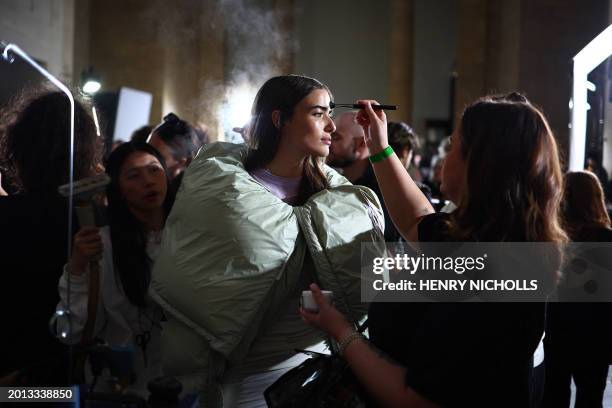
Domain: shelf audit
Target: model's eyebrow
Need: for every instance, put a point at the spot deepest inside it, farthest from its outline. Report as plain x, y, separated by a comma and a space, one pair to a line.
323, 108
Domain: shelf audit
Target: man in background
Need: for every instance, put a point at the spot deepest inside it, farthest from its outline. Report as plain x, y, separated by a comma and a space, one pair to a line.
349, 154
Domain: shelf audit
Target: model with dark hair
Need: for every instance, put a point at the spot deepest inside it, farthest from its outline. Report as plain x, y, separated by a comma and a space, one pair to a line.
503, 172
291, 133
138, 205
34, 154
250, 229
578, 335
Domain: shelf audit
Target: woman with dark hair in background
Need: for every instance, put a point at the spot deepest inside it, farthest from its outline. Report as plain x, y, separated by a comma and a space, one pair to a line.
503, 172
406, 143
34, 154
236, 250
177, 141
579, 335
138, 204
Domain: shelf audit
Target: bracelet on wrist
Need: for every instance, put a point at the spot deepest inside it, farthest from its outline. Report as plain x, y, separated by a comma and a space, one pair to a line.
348, 339
387, 151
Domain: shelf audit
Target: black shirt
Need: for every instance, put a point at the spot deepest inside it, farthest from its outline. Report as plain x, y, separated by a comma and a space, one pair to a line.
461, 354
577, 330
32, 253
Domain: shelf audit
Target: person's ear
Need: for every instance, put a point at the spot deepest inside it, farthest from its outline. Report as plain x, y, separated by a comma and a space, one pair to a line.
276, 116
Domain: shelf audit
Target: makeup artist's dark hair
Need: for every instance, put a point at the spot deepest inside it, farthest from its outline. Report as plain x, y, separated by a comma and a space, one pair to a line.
282, 93
514, 183
35, 139
129, 238
182, 138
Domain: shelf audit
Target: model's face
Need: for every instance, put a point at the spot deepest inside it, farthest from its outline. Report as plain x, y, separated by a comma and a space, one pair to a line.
142, 182
174, 166
453, 170
308, 131
342, 151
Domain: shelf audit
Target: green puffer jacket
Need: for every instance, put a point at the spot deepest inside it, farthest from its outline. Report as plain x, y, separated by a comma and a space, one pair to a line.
232, 251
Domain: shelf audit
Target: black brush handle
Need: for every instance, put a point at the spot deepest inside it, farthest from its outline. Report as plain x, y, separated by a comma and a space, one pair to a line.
359, 106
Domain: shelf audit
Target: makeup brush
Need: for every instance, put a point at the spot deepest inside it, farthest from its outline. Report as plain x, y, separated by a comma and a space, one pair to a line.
333, 105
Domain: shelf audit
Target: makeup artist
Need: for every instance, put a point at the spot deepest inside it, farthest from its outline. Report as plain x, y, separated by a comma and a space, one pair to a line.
469, 354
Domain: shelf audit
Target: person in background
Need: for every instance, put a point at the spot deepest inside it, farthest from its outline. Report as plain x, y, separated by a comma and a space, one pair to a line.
471, 354
579, 335
349, 153
404, 141
177, 141
595, 166
138, 204
435, 174
141, 134
34, 149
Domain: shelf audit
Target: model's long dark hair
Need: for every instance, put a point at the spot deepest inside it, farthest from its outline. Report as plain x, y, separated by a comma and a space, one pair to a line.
128, 236
282, 93
513, 182
35, 136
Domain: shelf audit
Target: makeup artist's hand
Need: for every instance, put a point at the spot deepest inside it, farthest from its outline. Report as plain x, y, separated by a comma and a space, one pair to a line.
374, 124
328, 318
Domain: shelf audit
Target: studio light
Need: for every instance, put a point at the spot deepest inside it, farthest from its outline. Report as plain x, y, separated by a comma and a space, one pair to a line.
91, 82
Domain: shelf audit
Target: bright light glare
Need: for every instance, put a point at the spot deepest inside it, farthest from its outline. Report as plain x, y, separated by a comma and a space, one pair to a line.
91, 87
236, 111
95, 116
590, 86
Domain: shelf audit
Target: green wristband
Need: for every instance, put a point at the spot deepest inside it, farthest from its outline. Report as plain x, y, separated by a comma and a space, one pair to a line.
388, 151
